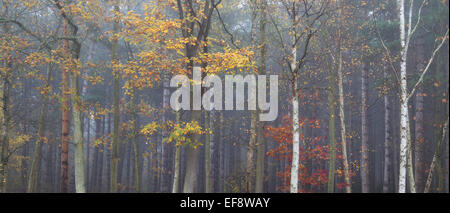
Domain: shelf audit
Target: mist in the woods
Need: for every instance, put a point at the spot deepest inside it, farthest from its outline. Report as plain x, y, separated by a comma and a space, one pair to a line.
90, 101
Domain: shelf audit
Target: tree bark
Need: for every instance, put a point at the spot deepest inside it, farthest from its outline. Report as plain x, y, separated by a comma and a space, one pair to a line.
331, 129
208, 139
34, 172
342, 108
435, 158
80, 178
365, 181
5, 131
387, 139
176, 175
261, 142
419, 132
115, 143
135, 145
164, 183
65, 126
295, 130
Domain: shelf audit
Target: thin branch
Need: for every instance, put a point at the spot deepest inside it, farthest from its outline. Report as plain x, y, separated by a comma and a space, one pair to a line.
444, 39
226, 30
388, 53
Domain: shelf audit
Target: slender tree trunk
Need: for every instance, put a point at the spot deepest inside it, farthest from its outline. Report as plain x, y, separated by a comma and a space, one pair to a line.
261, 142
164, 183
108, 156
34, 172
208, 139
5, 121
4, 114
176, 175
94, 174
115, 144
135, 144
365, 181
435, 158
250, 167
50, 174
296, 140
419, 132
387, 139
102, 148
212, 152
331, 129
128, 168
65, 126
342, 108
221, 153
295, 119
88, 153
177, 166
405, 132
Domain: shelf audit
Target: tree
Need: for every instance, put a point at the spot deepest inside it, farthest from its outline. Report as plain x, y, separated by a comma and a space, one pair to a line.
305, 22
34, 172
115, 144
405, 142
197, 30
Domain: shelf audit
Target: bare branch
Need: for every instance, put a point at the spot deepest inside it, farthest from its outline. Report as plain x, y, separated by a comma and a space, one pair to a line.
428, 66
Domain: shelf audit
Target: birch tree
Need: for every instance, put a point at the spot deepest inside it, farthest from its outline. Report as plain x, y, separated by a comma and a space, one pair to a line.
405, 93
305, 20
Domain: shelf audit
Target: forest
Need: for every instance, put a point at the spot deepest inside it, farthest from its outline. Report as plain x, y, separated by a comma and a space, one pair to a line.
359, 90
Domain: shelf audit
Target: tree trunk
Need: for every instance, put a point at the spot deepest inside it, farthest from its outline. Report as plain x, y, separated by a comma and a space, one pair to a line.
5, 130
331, 129
435, 158
212, 152
135, 144
94, 175
80, 178
190, 179
419, 132
404, 114
164, 183
208, 139
102, 148
65, 126
261, 142
295, 116
34, 172
176, 175
221, 148
387, 138
250, 170
115, 143
192, 160
365, 181
296, 139
250, 165
88, 146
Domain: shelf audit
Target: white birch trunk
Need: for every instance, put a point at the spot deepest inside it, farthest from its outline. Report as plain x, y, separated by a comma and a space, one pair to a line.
295, 125
348, 188
403, 100
295, 141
